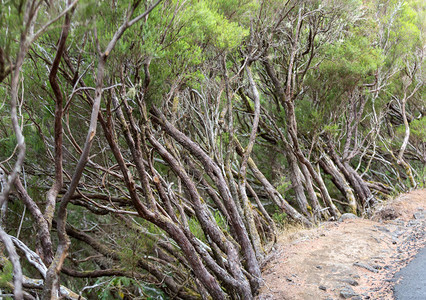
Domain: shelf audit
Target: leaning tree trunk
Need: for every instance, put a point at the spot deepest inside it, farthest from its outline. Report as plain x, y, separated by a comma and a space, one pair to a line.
297, 185
215, 173
357, 183
292, 131
242, 182
295, 171
272, 192
313, 199
176, 233
339, 181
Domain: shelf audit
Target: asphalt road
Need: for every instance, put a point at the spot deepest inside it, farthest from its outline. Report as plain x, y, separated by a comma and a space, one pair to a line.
413, 283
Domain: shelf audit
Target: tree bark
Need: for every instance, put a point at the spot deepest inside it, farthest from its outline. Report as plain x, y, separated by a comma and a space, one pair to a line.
14, 259
216, 175
57, 185
43, 232
254, 235
205, 219
313, 199
339, 181
162, 222
297, 185
52, 281
357, 183
275, 196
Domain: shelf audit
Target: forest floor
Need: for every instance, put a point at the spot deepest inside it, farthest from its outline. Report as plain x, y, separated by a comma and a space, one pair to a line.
352, 259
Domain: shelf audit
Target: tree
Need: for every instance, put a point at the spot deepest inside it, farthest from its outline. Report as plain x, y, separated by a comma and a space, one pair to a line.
220, 121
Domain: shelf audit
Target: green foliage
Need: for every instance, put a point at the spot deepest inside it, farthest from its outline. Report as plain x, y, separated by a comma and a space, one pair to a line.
280, 218
418, 129
307, 116
332, 129
34, 142
351, 61
220, 220
6, 274
403, 22
11, 23
206, 23
7, 145
179, 38
417, 133
236, 10
123, 288
283, 186
195, 227
133, 246
421, 177
225, 138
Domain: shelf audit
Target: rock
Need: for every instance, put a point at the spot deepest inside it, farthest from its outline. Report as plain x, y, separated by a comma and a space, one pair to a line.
391, 280
350, 281
412, 223
388, 213
319, 267
347, 293
321, 287
377, 240
397, 233
382, 229
347, 216
418, 215
366, 266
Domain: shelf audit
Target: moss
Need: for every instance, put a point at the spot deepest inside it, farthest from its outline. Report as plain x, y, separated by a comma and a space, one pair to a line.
6, 275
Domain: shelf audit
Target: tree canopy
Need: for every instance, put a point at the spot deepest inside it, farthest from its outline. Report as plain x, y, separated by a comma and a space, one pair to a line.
154, 149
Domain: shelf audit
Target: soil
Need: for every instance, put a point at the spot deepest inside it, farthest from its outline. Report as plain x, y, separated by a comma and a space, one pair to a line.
351, 259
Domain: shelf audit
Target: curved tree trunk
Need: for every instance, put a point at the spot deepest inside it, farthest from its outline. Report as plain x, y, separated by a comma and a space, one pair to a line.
191, 254
210, 227
357, 183
242, 182
313, 199
276, 197
297, 185
215, 173
292, 132
339, 181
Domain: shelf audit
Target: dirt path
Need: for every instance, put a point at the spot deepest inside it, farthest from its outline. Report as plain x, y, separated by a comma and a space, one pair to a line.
352, 259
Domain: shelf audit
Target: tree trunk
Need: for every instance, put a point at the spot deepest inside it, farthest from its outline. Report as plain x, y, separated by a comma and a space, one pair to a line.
313, 199
191, 254
339, 181
357, 183
292, 132
275, 196
297, 185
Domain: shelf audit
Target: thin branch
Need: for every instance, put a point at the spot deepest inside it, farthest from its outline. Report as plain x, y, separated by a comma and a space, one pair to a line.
46, 26
14, 259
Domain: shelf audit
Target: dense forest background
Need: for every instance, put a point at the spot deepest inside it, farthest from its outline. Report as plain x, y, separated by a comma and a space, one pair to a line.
154, 149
